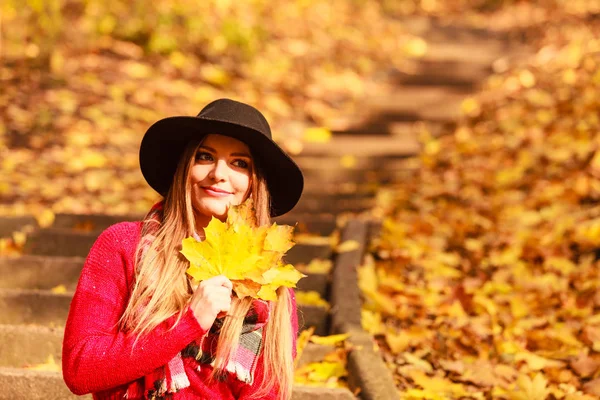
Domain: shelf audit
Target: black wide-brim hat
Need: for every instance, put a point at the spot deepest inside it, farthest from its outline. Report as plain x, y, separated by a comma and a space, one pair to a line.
165, 141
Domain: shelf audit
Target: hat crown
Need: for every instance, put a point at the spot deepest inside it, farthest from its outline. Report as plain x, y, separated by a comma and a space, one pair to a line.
232, 111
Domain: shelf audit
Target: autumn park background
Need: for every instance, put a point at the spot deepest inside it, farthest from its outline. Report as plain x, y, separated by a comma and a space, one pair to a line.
484, 280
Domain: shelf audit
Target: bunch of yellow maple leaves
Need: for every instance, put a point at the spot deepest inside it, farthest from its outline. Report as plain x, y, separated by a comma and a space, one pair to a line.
485, 280
249, 255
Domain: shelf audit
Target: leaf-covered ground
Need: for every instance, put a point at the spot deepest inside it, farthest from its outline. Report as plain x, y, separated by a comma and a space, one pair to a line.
485, 280
81, 81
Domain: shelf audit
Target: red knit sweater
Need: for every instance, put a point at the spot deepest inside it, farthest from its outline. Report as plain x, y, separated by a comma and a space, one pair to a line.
100, 359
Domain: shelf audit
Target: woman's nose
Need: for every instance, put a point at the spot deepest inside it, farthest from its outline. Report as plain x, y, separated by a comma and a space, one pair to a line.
219, 171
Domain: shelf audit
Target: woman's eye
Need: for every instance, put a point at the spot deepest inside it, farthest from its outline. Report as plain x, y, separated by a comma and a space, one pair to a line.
241, 164
203, 156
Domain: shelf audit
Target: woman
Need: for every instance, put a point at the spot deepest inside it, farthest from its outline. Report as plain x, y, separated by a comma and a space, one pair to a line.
137, 328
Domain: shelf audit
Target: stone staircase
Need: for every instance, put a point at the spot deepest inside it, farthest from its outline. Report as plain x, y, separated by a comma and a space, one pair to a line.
378, 138
33, 312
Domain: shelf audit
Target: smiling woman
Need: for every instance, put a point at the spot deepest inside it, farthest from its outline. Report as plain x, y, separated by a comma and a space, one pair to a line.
137, 328
220, 177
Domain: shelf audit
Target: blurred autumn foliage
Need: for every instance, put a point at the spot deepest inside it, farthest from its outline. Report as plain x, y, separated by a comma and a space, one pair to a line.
484, 282
81, 80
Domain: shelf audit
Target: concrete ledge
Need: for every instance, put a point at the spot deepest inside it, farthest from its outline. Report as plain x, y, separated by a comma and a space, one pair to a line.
345, 294
367, 372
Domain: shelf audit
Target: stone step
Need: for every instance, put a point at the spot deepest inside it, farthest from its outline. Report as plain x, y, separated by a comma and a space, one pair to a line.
360, 162
356, 176
319, 224
8, 225
441, 73
328, 205
40, 272
413, 102
43, 307
69, 243
372, 144
47, 272
483, 54
27, 345
23, 384
314, 353
435, 29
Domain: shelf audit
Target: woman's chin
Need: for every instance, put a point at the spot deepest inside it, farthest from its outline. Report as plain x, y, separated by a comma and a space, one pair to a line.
212, 210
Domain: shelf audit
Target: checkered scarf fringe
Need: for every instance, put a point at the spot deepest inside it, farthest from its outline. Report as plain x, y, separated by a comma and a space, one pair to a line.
170, 378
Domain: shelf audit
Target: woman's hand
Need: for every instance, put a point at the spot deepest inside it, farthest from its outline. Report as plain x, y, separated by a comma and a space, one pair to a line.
211, 297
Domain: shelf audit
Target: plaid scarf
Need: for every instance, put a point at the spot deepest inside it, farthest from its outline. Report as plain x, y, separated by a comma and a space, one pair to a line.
171, 378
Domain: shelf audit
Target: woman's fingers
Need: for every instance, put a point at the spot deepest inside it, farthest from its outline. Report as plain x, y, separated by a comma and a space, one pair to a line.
211, 298
219, 280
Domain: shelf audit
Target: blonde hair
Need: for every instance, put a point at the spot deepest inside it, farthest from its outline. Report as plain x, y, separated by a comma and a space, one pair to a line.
162, 289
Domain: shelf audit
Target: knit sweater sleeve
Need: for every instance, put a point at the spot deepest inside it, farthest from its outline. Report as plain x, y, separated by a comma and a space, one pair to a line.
247, 391
96, 354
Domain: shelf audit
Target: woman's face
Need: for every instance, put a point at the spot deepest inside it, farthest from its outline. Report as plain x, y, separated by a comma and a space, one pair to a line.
220, 177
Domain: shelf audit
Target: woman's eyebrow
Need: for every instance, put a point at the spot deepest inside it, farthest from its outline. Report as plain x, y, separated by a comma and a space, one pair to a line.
241, 154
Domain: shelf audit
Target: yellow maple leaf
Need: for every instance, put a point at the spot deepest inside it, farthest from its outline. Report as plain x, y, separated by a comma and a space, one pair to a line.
314, 240
436, 385
398, 342
535, 362
302, 341
273, 278
371, 321
49, 365
59, 289
311, 298
317, 135
531, 389
329, 340
324, 370
250, 256
279, 238
316, 266
348, 245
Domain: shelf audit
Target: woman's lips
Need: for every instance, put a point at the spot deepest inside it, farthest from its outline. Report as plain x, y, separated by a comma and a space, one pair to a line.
215, 192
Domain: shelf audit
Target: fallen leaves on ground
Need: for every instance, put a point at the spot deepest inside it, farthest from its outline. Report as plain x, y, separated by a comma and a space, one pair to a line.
484, 280
316, 240
99, 73
331, 370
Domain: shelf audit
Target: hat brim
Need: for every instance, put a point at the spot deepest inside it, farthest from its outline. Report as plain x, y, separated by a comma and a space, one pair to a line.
165, 141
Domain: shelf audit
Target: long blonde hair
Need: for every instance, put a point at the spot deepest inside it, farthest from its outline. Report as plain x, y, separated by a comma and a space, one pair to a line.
162, 289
